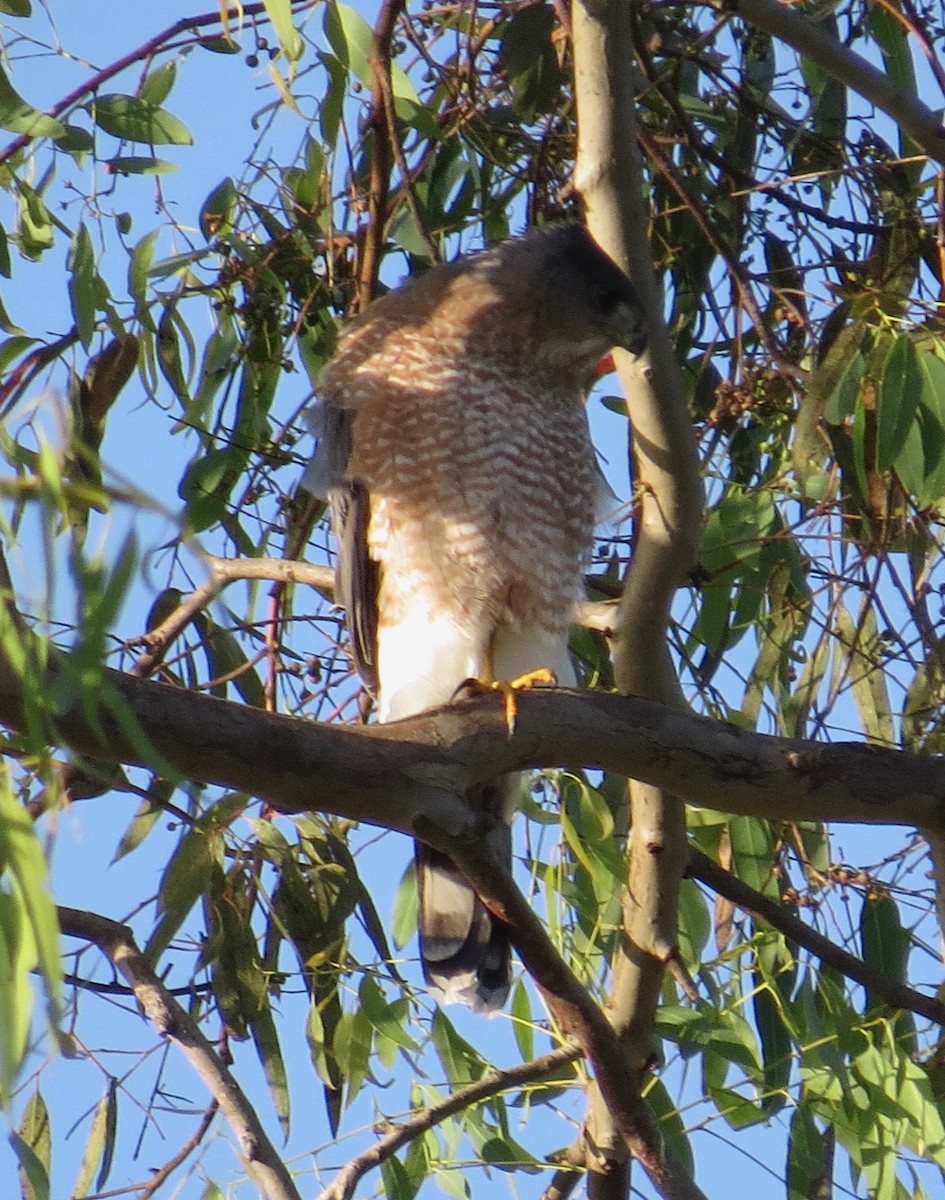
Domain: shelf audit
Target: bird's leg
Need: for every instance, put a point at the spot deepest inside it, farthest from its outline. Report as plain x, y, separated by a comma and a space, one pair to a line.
507, 689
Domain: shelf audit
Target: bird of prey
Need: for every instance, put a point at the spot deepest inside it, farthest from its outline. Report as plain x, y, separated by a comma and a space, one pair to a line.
455, 451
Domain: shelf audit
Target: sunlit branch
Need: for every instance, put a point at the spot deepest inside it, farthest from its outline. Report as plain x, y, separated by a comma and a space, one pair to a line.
222, 572
668, 530
260, 1158
782, 21
396, 774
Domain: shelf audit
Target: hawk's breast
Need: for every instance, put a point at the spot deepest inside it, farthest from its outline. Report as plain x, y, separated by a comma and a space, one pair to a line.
483, 487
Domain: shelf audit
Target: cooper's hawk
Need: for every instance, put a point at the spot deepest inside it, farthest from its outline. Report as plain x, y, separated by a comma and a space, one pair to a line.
455, 449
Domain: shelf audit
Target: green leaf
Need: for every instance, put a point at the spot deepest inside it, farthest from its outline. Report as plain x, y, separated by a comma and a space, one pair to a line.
695, 924
523, 1023
809, 1157
16, 8
76, 141
36, 1138
216, 212
109, 1105
351, 1047
280, 13
17, 960
404, 916
672, 1126
861, 647
34, 229
100, 1145
29, 915
220, 45
266, 1041
350, 36
147, 816
186, 877
34, 1180
384, 1016
397, 1183
896, 398
453, 1183
84, 290
738, 1111
157, 86
461, 1061
841, 403
137, 164
931, 416
528, 56
19, 117
885, 943
134, 120
776, 1048
753, 854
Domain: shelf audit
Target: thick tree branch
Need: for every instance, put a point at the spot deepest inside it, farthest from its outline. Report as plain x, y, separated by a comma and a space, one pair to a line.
668, 531
260, 1158
896, 995
393, 775
913, 117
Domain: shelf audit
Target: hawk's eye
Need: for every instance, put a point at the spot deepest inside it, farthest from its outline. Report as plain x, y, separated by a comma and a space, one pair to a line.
606, 299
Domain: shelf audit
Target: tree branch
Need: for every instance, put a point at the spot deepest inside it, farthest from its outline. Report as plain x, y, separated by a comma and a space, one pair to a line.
574, 1010
598, 615
260, 1159
145, 50
609, 177
347, 1179
896, 995
394, 775
222, 572
380, 161
913, 117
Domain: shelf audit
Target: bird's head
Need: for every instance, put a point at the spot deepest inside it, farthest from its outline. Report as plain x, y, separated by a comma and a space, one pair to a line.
573, 299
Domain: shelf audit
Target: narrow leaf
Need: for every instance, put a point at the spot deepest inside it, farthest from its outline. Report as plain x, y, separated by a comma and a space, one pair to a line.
896, 400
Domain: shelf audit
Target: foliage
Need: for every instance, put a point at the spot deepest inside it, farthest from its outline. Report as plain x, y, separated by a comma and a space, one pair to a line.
802, 251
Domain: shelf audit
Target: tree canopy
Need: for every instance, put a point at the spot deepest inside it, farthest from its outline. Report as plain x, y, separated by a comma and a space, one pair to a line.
715, 966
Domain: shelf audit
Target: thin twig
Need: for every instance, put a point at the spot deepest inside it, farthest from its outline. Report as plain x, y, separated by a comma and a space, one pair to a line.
895, 994
598, 615
162, 1173
343, 1185
379, 62
145, 50
222, 572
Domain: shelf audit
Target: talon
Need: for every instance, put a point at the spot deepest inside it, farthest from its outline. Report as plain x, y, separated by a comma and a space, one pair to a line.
507, 689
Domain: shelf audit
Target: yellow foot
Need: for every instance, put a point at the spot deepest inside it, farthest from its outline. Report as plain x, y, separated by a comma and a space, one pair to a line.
507, 689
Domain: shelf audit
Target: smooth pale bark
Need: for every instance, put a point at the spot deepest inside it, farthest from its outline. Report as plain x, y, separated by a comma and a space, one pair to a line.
667, 534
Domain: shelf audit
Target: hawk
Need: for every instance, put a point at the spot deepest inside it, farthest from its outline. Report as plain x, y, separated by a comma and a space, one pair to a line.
455, 451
